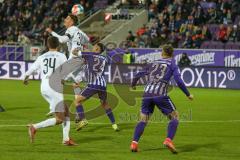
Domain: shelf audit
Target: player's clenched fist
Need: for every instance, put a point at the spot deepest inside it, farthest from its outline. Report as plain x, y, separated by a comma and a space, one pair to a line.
49, 30
75, 51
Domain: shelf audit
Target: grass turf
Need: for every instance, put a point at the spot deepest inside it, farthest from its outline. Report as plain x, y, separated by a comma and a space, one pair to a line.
210, 128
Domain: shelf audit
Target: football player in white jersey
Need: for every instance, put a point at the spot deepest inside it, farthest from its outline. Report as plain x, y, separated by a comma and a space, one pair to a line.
47, 64
75, 39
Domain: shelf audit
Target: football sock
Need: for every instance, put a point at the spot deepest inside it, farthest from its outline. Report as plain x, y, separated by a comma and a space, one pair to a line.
80, 112
46, 123
172, 128
139, 130
110, 115
66, 129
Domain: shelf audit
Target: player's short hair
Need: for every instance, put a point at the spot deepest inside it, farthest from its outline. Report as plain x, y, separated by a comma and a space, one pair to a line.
102, 47
52, 42
74, 18
168, 49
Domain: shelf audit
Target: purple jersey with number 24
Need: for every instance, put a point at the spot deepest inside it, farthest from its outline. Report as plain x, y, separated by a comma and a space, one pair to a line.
95, 78
95, 70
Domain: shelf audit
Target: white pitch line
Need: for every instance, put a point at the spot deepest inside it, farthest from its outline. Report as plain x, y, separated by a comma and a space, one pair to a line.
98, 123
227, 121
12, 125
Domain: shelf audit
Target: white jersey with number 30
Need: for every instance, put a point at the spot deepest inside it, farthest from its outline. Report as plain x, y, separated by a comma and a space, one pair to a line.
77, 39
74, 37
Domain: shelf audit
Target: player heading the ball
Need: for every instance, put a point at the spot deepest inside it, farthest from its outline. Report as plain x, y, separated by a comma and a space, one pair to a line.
74, 37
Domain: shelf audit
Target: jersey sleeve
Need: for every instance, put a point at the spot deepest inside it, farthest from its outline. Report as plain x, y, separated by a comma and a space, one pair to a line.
85, 56
69, 32
62, 39
64, 58
34, 67
139, 74
84, 39
178, 79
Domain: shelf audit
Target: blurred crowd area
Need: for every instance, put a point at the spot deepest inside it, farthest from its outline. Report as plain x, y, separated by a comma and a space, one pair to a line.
188, 24
183, 23
25, 21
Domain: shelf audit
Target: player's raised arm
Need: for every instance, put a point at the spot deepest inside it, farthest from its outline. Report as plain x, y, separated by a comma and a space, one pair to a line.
179, 81
84, 39
78, 52
62, 39
138, 75
34, 67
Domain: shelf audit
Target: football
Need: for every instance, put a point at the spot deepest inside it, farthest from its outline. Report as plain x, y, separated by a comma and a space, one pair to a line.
77, 9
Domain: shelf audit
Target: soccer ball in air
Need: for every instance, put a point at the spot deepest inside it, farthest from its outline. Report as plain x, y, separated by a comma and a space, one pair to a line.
77, 9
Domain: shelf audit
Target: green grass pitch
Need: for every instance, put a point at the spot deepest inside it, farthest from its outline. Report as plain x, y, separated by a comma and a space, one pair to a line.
210, 128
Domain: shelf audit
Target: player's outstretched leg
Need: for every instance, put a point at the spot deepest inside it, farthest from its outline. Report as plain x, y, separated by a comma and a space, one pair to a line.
32, 128
139, 129
172, 129
110, 115
80, 111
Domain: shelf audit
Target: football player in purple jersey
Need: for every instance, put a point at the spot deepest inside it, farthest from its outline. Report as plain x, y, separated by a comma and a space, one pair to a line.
155, 94
96, 84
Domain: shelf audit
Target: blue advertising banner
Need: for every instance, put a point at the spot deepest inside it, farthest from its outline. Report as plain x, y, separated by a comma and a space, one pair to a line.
198, 57
200, 77
211, 77
15, 70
